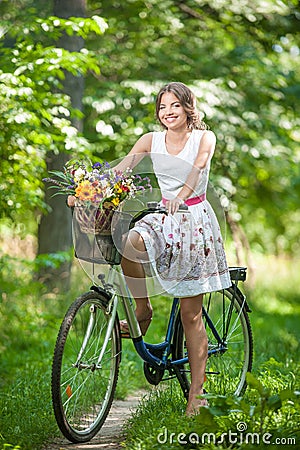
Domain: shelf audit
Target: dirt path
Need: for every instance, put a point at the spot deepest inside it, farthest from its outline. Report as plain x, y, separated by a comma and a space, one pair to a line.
111, 434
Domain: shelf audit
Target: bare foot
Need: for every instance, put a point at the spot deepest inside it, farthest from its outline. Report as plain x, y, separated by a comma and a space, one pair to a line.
195, 403
144, 321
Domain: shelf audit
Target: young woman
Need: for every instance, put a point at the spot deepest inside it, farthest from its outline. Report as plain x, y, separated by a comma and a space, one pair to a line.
185, 251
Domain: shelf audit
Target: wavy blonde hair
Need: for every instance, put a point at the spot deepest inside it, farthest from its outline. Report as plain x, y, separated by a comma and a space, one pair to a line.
188, 101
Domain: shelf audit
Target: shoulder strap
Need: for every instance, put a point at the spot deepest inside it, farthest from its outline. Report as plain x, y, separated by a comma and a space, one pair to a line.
158, 138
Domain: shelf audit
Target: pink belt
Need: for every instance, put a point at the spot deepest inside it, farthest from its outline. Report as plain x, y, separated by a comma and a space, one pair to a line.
189, 201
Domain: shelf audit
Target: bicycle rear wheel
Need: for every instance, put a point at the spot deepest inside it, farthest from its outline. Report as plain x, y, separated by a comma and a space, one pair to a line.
230, 343
85, 367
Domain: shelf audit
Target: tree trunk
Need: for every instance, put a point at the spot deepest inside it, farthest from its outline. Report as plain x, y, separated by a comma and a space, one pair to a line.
54, 233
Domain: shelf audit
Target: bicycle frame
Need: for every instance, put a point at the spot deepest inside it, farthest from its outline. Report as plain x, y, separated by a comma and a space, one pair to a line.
146, 350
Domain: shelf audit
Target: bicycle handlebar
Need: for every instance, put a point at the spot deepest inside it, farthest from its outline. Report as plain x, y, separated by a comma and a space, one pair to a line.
154, 207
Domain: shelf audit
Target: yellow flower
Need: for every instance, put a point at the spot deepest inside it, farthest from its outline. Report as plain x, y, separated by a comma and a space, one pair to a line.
117, 188
115, 201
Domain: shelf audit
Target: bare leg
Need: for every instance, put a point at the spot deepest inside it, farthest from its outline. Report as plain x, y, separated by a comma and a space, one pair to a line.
196, 341
134, 273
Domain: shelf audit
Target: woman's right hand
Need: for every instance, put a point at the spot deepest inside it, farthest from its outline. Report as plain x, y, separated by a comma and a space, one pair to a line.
71, 201
173, 205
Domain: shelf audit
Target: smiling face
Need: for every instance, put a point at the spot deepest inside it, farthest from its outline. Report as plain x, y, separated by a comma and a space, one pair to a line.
171, 113
184, 98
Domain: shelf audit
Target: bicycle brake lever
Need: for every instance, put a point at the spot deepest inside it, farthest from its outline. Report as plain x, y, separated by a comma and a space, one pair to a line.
183, 207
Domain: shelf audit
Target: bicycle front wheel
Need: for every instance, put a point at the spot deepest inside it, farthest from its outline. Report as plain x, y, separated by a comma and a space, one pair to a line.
230, 343
85, 367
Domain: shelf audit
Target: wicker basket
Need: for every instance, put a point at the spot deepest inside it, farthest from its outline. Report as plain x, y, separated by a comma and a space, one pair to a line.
94, 220
104, 229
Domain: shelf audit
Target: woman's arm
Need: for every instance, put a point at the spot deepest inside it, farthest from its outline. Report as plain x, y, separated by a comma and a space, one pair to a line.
206, 149
136, 154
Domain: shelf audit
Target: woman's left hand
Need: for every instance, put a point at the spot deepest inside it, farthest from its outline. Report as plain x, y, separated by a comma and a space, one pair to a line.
173, 205
71, 201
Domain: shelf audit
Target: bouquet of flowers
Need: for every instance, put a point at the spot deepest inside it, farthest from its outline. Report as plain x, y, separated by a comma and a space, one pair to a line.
99, 191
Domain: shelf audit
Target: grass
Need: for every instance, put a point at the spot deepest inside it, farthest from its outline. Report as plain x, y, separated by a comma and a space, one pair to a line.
29, 321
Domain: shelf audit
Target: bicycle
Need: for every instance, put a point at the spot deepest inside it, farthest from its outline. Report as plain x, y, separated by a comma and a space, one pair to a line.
88, 349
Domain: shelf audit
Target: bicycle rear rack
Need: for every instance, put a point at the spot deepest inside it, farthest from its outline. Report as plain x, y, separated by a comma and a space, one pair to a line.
238, 273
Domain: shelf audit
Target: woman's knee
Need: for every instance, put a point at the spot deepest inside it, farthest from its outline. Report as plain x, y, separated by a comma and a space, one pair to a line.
191, 319
191, 311
134, 247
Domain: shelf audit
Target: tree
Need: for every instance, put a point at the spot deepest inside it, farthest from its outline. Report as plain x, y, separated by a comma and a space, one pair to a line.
59, 218
37, 118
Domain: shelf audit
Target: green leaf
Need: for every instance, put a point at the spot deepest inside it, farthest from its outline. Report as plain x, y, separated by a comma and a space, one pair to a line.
254, 383
274, 402
287, 394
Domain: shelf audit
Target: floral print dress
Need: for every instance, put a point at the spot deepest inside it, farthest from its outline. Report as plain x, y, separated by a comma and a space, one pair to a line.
185, 251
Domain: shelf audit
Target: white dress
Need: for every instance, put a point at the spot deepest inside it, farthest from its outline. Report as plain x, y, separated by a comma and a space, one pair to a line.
185, 251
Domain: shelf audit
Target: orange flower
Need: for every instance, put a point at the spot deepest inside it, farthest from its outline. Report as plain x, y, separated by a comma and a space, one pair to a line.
85, 191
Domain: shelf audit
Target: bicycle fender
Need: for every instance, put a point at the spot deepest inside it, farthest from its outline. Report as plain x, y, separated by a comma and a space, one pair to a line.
237, 291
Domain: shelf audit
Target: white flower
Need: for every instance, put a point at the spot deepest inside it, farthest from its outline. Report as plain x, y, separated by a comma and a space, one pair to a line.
79, 175
108, 192
104, 184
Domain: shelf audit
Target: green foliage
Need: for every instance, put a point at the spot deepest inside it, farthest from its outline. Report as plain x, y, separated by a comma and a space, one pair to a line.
241, 60
271, 402
36, 117
10, 447
258, 419
28, 320
52, 260
30, 317
266, 414
26, 393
